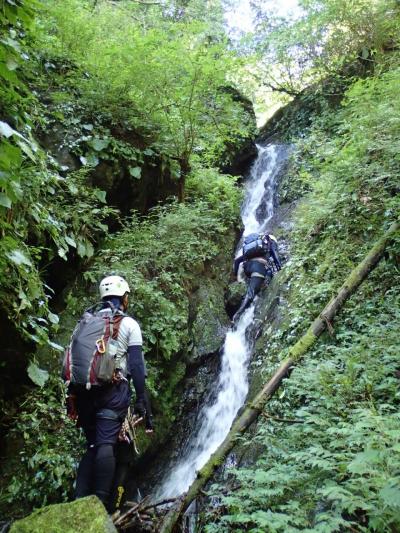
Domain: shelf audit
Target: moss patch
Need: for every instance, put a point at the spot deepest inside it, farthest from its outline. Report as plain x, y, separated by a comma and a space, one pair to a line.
87, 514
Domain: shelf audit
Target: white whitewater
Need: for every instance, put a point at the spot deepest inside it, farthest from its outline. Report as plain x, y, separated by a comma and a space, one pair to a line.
216, 417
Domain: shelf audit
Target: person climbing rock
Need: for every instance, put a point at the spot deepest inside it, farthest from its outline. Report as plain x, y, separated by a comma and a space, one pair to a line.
104, 355
260, 258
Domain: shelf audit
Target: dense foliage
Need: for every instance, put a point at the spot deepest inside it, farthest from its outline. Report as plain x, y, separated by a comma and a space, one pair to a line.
168, 79
46, 449
42, 215
175, 104
326, 39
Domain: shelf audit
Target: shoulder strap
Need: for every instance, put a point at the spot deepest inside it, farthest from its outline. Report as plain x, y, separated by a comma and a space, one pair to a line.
115, 324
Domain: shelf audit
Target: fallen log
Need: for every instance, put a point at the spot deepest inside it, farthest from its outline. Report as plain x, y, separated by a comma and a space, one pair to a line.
296, 352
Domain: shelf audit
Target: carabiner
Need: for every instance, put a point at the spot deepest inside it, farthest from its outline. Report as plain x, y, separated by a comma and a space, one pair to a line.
100, 345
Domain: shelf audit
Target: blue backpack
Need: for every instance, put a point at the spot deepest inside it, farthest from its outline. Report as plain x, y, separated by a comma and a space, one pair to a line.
253, 246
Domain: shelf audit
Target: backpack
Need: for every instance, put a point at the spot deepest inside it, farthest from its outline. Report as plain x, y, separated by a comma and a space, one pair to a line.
90, 357
253, 246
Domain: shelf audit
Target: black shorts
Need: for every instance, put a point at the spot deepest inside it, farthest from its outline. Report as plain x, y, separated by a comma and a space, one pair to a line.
101, 411
254, 267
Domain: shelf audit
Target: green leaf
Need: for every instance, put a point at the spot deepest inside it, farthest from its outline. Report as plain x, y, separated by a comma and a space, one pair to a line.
70, 241
390, 494
11, 64
100, 195
19, 258
10, 156
37, 375
85, 249
55, 346
92, 160
62, 252
5, 200
135, 172
99, 144
53, 318
6, 130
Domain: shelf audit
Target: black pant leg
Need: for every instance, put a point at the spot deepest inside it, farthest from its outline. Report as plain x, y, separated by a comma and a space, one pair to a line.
104, 469
114, 405
84, 478
254, 286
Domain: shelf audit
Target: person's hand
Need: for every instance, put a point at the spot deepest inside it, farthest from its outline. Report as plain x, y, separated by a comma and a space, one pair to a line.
117, 377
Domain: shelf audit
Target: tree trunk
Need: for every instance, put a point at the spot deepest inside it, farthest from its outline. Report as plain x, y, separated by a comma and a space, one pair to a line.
252, 411
185, 169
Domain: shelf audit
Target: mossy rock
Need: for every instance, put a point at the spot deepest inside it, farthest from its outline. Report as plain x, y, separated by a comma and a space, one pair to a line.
86, 514
210, 322
234, 296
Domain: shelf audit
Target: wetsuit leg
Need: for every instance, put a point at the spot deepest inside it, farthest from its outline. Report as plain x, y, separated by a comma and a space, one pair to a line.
253, 288
255, 284
87, 421
85, 474
109, 420
104, 469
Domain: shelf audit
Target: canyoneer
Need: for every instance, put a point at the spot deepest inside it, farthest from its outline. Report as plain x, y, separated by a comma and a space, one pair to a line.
260, 260
103, 357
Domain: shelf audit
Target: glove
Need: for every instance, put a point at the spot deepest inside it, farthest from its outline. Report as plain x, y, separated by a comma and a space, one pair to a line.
149, 423
149, 416
140, 408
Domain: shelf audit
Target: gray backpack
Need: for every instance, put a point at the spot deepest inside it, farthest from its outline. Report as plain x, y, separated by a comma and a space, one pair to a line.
90, 357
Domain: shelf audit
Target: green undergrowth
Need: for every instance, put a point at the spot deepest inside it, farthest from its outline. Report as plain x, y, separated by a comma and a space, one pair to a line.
328, 445
123, 102
43, 448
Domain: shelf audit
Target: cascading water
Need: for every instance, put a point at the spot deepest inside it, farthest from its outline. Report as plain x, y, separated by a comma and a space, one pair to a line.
216, 417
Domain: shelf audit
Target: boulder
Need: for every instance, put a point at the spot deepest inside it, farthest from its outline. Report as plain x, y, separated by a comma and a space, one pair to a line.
87, 514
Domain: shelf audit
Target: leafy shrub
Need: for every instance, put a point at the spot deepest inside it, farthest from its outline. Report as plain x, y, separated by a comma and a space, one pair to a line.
46, 450
42, 214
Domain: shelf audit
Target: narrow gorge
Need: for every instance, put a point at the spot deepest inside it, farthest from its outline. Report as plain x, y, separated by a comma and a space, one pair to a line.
146, 140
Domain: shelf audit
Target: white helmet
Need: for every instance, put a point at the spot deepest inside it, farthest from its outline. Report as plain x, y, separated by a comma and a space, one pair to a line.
113, 286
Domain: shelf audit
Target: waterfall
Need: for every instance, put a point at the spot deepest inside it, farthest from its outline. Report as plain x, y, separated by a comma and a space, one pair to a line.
215, 418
